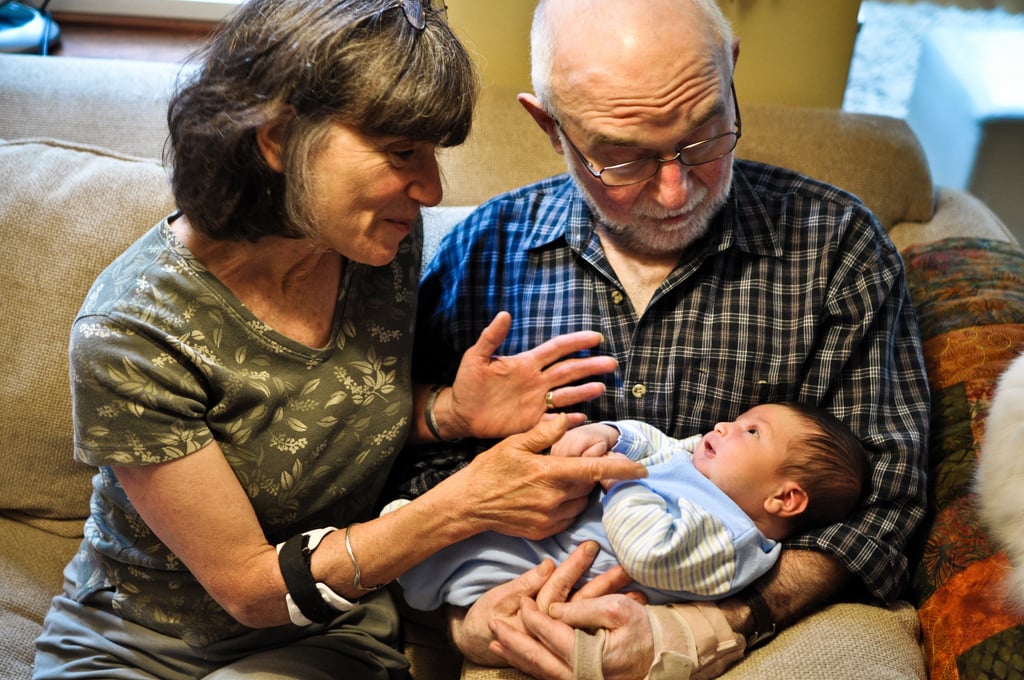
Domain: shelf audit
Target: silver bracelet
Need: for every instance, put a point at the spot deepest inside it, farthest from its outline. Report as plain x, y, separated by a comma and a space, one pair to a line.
428, 414
357, 578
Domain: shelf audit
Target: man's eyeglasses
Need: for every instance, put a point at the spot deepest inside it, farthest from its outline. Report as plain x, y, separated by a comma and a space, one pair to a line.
416, 13
698, 153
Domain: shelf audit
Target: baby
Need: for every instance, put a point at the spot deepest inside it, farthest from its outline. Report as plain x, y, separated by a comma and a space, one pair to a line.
704, 524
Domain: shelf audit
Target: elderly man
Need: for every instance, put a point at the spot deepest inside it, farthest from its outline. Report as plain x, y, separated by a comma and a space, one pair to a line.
717, 283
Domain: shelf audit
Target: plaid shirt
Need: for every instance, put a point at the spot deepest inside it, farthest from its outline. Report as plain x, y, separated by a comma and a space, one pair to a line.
797, 293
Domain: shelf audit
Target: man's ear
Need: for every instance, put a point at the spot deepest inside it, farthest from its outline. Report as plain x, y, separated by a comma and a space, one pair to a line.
789, 500
541, 117
269, 137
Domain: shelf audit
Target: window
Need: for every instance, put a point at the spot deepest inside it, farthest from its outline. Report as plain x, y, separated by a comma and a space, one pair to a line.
200, 10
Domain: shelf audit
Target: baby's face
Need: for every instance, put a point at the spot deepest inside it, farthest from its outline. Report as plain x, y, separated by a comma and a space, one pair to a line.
742, 457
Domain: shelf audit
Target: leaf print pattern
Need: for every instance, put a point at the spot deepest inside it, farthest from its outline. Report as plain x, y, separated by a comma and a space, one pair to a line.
166, 361
374, 380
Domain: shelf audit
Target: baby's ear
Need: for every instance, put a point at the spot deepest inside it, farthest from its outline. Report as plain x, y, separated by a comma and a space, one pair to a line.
789, 500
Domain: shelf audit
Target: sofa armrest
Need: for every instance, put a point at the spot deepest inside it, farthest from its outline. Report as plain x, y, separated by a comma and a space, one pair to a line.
957, 214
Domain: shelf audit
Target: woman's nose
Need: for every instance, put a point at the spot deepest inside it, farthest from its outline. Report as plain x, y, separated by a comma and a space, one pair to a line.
425, 187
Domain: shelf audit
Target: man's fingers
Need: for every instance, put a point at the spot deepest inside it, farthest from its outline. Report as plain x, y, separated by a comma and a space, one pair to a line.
575, 419
575, 394
559, 346
611, 581
533, 654
493, 335
569, 371
529, 583
560, 583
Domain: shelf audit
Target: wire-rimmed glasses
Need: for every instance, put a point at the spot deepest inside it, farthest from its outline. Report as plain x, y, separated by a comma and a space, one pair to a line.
697, 153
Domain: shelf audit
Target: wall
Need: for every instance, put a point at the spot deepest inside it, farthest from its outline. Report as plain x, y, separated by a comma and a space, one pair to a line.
791, 51
498, 32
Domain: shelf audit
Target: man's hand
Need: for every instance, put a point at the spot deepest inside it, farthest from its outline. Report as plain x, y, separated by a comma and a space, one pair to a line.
470, 629
495, 396
508, 626
547, 647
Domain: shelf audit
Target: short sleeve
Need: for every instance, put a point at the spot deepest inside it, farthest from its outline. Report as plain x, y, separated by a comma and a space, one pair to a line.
134, 403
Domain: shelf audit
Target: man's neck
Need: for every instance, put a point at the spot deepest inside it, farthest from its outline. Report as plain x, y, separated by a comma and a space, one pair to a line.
641, 274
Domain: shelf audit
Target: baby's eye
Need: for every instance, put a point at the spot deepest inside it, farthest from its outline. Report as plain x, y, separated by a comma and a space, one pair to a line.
753, 431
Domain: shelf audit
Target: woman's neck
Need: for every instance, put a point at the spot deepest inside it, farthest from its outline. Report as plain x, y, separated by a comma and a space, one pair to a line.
289, 284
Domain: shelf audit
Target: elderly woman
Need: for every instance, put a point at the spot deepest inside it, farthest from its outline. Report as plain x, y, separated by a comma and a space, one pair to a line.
241, 373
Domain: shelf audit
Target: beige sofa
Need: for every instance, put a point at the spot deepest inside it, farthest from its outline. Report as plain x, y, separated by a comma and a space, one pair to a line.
78, 182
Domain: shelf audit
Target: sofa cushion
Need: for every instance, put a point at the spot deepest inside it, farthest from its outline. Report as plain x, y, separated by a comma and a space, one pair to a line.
119, 104
65, 212
969, 297
31, 562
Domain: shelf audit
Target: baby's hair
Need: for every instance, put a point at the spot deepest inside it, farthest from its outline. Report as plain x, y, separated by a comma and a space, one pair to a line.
830, 463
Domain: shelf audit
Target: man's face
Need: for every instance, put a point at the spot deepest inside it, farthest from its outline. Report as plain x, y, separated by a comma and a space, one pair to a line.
667, 212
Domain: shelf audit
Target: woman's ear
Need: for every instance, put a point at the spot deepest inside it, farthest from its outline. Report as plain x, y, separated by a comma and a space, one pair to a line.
269, 137
789, 500
541, 117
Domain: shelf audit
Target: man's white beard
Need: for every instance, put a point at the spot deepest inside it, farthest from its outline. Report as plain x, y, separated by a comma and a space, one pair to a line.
661, 238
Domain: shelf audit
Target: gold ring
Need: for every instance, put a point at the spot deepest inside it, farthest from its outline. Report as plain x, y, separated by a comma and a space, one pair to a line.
549, 399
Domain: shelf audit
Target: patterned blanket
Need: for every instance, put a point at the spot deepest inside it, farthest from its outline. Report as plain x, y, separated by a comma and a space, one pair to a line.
969, 298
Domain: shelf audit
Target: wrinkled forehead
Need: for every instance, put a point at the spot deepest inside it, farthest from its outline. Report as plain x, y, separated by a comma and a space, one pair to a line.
638, 69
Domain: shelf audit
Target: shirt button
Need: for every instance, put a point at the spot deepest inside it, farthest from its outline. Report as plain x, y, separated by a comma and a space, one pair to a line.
639, 390
617, 297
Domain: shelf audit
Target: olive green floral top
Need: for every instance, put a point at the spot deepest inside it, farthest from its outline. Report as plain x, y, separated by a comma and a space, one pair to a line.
165, 359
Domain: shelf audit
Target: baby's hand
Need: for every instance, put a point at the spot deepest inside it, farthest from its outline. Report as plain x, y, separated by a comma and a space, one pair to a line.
586, 441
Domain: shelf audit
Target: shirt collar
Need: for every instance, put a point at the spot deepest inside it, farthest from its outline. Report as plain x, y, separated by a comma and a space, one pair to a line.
751, 225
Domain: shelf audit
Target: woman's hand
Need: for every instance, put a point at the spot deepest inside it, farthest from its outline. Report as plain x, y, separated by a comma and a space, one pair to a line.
512, 490
494, 396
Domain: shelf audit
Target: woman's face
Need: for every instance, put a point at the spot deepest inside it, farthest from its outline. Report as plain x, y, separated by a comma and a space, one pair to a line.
367, 192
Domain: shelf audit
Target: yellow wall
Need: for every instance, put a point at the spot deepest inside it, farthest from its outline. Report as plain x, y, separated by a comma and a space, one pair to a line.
791, 51
498, 32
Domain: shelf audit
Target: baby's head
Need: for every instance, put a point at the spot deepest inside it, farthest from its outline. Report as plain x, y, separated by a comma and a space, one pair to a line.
790, 466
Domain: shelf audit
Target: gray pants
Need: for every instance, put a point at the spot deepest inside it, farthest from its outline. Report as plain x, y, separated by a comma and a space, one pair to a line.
90, 640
